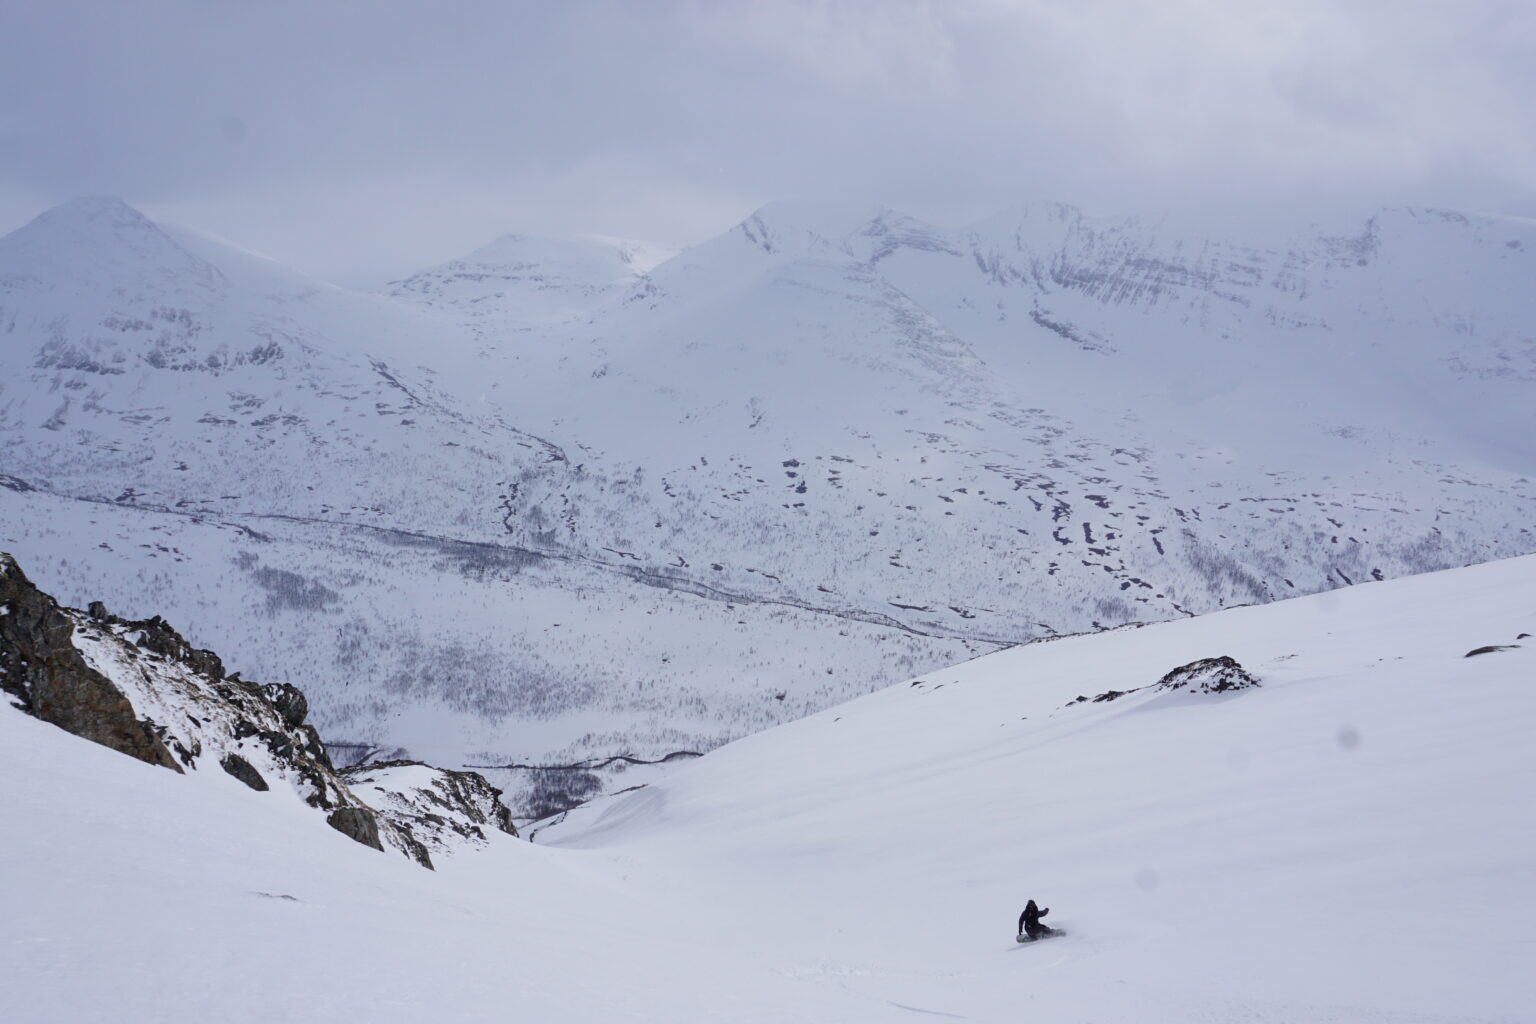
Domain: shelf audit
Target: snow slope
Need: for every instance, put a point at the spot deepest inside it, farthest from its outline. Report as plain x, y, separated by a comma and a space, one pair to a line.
1351, 841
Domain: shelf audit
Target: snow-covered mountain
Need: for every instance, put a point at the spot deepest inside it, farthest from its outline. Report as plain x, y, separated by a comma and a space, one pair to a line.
523, 281
544, 503
1349, 840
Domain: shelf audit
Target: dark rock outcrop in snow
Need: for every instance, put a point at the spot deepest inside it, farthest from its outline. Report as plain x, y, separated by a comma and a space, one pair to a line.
290, 702
41, 669
241, 769
1490, 649
362, 824
1209, 675
438, 808
139, 687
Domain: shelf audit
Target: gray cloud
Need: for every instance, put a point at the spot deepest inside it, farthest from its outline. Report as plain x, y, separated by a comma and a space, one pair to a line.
359, 139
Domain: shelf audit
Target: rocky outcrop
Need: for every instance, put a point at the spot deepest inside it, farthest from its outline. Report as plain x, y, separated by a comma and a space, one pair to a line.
139, 687
1209, 675
360, 824
440, 809
46, 676
290, 702
1491, 649
242, 769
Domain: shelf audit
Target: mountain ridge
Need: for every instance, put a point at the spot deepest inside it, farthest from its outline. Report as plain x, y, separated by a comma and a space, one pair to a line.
872, 447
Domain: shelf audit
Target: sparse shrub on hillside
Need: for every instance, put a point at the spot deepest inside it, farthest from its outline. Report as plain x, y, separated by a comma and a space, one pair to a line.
1428, 553
556, 790
1112, 611
477, 676
1223, 574
289, 591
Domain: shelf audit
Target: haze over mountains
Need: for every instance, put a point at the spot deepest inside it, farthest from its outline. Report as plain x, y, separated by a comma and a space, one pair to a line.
557, 500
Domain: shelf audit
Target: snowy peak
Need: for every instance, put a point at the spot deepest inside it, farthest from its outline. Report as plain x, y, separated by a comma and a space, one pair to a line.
805, 227
580, 260
597, 259
93, 285
87, 214
1052, 246
864, 233
98, 240
526, 278
85, 220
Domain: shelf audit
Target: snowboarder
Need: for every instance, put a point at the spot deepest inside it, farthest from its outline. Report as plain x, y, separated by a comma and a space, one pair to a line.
1029, 922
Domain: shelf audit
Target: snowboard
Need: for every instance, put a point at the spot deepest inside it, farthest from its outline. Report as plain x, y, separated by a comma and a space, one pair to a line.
1054, 933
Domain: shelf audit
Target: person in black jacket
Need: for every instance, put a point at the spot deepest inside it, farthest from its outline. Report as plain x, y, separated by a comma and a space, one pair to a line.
1029, 921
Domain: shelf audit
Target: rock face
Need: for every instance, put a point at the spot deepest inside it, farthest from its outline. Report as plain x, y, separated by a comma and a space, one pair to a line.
47, 677
139, 687
440, 809
241, 769
361, 824
1209, 675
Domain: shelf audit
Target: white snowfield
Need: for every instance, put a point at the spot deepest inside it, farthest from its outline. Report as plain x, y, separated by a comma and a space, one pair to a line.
1352, 841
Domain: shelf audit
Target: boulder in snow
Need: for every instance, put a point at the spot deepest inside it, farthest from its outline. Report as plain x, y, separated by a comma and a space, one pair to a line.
1209, 675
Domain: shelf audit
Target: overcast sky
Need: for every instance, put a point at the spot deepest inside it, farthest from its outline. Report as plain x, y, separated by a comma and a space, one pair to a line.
363, 140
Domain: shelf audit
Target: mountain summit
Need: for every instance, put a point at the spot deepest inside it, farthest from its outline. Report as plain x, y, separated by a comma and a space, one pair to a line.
533, 280
90, 245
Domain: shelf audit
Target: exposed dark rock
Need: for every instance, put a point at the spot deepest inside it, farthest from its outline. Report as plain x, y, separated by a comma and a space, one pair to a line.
418, 852
241, 769
1490, 649
362, 824
48, 677
1209, 675
290, 703
186, 753
435, 806
1103, 698
280, 743
85, 672
313, 746
357, 823
157, 635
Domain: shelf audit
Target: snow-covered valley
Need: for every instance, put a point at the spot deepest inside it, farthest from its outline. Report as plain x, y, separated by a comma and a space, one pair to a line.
558, 500
1350, 840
